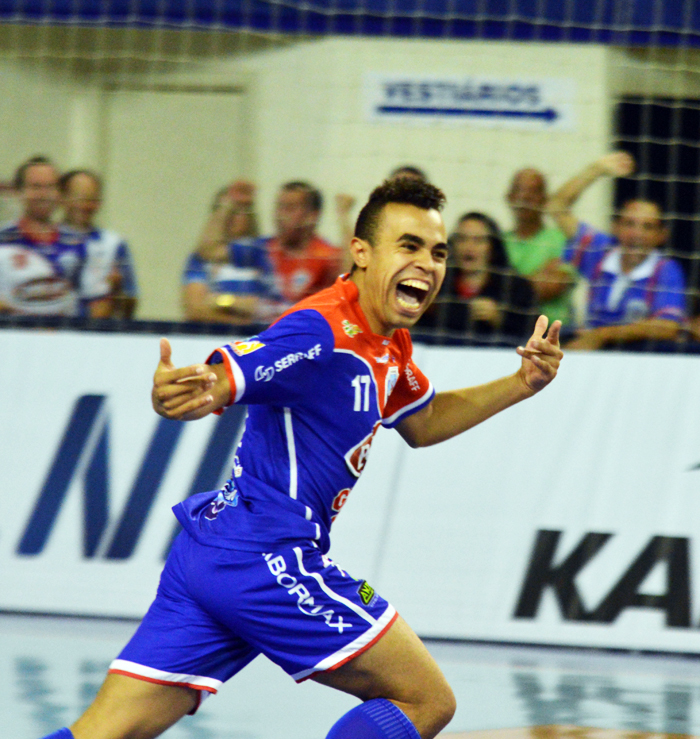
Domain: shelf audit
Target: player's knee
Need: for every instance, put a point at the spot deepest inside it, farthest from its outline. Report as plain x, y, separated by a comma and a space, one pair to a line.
442, 708
435, 710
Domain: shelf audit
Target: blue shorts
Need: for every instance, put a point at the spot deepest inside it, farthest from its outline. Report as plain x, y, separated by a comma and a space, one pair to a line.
217, 609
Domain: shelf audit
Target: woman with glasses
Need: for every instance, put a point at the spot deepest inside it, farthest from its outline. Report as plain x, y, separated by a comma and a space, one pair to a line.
482, 297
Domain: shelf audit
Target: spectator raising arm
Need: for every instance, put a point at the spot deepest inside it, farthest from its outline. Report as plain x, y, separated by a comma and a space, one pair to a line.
617, 164
231, 218
636, 293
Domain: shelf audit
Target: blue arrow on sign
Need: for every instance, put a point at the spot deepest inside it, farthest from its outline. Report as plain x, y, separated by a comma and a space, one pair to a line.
549, 114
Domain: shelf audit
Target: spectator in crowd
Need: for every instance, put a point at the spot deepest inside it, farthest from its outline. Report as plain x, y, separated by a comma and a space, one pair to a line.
46, 270
236, 287
302, 261
81, 193
635, 292
409, 170
534, 249
482, 295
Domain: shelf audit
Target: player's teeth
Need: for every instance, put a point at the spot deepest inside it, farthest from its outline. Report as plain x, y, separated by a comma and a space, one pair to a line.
408, 301
415, 283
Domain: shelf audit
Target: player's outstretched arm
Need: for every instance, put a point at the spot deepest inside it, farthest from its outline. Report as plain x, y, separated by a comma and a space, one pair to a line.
456, 411
187, 393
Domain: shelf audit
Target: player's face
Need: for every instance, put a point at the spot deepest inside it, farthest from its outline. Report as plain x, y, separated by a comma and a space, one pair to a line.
472, 246
639, 227
292, 214
82, 201
40, 192
404, 269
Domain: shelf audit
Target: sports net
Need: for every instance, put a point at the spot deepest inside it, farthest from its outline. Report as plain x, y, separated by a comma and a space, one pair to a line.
170, 100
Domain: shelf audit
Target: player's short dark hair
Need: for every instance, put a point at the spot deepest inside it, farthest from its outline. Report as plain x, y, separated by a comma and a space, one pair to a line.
314, 199
65, 179
409, 170
403, 190
21, 171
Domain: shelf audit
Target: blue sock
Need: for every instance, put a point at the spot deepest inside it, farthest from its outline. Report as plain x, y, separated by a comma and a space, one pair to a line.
375, 719
61, 734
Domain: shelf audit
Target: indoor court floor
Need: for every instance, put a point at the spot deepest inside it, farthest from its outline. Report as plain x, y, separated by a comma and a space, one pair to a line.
50, 669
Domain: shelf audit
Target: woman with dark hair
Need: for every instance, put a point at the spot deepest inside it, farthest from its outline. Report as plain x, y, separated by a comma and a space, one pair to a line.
482, 296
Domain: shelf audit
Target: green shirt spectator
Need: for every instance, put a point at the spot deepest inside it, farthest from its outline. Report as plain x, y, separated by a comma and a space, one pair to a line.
535, 250
530, 256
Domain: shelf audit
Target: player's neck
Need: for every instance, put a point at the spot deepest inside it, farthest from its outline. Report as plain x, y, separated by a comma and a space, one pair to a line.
365, 304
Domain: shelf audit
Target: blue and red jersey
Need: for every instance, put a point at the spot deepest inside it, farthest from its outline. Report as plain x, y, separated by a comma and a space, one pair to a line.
653, 289
55, 275
318, 384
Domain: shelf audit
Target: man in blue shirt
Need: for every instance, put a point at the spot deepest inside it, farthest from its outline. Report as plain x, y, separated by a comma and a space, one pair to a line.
250, 572
635, 292
108, 253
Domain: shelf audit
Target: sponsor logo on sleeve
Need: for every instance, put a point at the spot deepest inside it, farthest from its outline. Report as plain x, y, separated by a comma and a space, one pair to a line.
412, 380
265, 374
241, 348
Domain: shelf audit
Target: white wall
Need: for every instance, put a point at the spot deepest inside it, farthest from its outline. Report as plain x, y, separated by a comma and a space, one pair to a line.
301, 117
310, 120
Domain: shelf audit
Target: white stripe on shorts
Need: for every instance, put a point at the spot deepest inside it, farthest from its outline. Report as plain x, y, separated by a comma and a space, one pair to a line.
331, 594
342, 655
148, 673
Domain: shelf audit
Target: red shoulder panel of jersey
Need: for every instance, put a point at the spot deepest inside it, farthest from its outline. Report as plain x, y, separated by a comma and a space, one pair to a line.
401, 387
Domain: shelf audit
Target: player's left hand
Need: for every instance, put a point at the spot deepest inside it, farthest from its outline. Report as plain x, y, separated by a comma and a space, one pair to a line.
541, 356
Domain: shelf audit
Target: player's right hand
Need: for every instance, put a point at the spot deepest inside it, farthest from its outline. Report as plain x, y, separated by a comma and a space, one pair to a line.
181, 393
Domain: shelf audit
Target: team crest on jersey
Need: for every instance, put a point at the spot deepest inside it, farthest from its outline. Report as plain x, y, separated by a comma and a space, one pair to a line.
366, 593
228, 496
356, 458
351, 329
241, 348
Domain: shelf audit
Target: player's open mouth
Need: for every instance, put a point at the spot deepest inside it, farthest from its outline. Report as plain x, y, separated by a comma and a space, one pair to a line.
411, 294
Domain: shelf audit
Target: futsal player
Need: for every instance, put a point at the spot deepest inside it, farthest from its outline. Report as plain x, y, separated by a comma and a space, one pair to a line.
249, 574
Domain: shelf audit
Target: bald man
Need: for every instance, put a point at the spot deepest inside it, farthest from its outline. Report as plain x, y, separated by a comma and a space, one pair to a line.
534, 249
